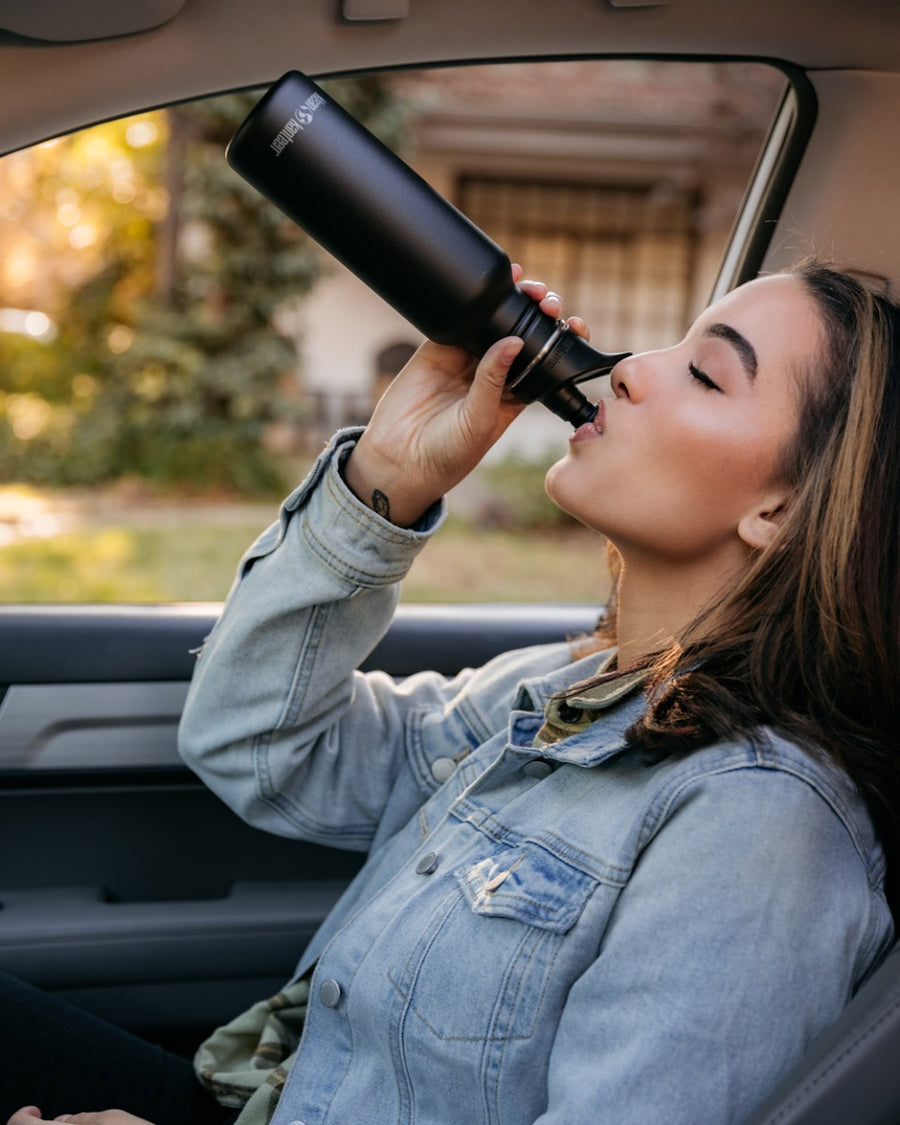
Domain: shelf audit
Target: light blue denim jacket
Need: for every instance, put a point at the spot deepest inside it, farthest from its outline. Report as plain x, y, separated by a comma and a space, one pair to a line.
573, 936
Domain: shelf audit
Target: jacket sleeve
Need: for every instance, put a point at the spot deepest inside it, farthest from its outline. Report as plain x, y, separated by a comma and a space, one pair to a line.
274, 693
731, 947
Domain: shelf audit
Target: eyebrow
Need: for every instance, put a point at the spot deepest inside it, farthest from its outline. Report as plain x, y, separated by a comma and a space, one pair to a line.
746, 351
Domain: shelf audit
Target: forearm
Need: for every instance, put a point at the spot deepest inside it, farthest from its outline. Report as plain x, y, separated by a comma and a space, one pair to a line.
314, 595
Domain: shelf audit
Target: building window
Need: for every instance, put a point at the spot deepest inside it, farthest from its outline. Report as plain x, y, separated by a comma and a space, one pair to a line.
623, 257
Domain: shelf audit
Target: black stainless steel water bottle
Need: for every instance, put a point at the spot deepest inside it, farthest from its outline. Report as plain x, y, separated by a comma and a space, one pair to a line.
369, 209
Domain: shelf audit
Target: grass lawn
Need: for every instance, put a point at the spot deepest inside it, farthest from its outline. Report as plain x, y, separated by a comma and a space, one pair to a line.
150, 552
465, 565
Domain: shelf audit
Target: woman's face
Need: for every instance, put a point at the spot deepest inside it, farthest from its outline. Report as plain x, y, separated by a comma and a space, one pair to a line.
691, 443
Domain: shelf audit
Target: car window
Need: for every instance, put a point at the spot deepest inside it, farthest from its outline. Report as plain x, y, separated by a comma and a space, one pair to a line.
173, 351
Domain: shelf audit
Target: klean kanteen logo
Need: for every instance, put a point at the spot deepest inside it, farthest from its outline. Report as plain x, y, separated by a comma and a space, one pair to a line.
296, 123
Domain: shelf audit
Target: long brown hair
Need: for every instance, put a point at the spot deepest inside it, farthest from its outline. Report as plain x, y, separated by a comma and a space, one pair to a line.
808, 642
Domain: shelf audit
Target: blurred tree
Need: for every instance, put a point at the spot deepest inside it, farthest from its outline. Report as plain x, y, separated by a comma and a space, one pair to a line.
169, 362
205, 367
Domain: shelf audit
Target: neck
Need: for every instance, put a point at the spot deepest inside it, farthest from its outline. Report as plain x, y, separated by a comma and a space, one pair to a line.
658, 601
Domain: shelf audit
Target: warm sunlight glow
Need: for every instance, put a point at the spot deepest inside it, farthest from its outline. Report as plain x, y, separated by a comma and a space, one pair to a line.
82, 236
120, 339
155, 204
68, 214
27, 322
24, 515
28, 414
37, 324
123, 191
122, 172
20, 264
84, 386
142, 133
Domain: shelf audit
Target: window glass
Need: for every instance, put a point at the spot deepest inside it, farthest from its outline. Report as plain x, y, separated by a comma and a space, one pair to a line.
173, 351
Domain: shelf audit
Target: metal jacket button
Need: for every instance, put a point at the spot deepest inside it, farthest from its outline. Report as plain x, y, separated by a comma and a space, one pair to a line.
330, 993
537, 769
428, 864
442, 768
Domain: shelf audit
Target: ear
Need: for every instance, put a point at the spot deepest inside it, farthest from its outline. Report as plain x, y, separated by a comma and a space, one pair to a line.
760, 526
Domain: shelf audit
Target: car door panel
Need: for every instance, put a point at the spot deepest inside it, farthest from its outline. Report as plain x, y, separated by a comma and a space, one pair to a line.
124, 883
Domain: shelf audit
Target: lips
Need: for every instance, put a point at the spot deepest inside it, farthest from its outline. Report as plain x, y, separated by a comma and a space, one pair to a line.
592, 429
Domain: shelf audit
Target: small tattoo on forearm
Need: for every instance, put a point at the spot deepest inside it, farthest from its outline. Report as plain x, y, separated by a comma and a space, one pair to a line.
381, 504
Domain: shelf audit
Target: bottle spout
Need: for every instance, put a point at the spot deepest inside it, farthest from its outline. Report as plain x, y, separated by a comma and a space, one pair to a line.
551, 377
568, 403
605, 363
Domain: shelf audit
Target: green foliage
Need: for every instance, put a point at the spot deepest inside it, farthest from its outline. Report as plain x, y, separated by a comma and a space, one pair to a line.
514, 497
169, 363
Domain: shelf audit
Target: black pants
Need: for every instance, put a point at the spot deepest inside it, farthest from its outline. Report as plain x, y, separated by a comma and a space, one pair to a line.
64, 1060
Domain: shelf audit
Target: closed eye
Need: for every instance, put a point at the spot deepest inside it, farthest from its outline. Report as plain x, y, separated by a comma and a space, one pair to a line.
703, 378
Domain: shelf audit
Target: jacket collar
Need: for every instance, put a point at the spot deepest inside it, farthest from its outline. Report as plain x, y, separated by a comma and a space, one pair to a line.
588, 746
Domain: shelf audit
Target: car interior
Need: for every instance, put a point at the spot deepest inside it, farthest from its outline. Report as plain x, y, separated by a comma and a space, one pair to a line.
124, 884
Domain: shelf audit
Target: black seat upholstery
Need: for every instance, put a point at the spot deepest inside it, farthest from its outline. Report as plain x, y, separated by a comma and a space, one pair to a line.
851, 1074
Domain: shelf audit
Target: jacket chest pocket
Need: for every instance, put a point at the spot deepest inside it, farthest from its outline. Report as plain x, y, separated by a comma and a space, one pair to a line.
480, 969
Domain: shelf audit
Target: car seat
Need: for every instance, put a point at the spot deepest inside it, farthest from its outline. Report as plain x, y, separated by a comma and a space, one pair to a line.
851, 1074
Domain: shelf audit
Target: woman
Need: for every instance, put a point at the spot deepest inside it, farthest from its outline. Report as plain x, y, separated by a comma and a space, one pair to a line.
624, 881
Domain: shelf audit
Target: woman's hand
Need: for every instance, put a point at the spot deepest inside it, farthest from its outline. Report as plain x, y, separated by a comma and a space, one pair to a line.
31, 1115
437, 420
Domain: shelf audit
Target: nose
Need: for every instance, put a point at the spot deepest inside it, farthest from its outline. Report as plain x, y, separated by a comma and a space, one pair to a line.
627, 379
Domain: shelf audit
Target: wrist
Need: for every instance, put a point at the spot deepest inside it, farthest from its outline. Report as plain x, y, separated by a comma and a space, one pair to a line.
385, 487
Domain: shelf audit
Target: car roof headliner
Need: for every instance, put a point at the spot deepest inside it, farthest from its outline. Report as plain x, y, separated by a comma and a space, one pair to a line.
212, 45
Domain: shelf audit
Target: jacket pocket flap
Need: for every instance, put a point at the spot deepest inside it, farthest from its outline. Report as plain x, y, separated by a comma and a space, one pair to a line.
528, 884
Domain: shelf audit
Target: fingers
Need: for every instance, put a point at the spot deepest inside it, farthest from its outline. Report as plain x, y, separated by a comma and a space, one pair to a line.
103, 1117
538, 291
550, 302
489, 406
27, 1115
492, 372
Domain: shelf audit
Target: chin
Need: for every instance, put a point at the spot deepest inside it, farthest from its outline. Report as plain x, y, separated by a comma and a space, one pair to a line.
565, 503
559, 488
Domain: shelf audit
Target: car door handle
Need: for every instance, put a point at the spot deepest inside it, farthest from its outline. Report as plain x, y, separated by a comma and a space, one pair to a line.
73, 936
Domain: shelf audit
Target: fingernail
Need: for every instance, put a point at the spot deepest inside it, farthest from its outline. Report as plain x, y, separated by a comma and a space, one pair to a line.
509, 351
